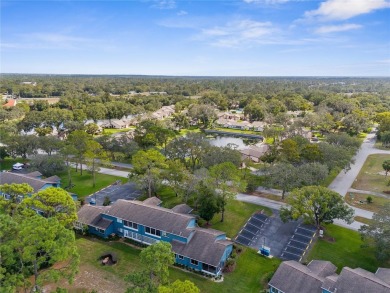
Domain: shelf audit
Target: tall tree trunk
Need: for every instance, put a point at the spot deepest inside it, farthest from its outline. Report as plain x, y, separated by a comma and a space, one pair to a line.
283, 193
93, 172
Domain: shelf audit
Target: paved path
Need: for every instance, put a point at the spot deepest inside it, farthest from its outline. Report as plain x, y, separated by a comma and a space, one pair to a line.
369, 192
107, 171
341, 184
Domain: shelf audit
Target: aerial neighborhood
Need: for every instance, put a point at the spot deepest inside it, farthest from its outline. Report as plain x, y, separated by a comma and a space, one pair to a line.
153, 184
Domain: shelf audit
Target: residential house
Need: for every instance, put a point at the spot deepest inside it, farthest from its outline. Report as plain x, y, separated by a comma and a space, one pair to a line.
164, 112
258, 125
10, 103
254, 152
34, 179
204, 250
320, 276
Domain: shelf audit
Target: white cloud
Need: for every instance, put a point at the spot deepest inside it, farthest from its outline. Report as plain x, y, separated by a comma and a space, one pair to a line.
345, 9
182, 12
238, 33
326, 29
266, 1
164, 4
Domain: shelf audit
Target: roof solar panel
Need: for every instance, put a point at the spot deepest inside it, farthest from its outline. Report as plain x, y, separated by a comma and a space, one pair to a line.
297, 244
243, 241
251, 228
301, 238
256, 223
289, 256
247, 234
308, 227
260, 217
304, 232
294, 250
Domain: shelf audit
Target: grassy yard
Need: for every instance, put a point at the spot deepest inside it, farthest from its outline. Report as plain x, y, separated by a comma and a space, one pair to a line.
7, 163
342, 247
236, 214
249, 276
83, 184
369, 177
109, 131
363, 220
377, 201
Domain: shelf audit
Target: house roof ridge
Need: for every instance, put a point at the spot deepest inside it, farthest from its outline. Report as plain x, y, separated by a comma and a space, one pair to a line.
156, 208
371, 276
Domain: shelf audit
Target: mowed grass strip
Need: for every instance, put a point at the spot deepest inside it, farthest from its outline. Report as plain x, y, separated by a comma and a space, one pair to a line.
374, 206
250, 275
84, 183
7, 163
343, 247
369, 177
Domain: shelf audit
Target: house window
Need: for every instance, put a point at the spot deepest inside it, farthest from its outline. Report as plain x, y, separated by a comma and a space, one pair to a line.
152, 231
179, 256
209, 268
100, 230
194, 262
130, 225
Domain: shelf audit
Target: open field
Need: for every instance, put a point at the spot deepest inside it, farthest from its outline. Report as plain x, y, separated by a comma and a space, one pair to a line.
377, 201
83, 184
249, 276
342, 247
369, 177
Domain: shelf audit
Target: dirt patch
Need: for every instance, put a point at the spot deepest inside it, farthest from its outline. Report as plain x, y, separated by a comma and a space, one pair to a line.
89, 278
329, 239
267, 195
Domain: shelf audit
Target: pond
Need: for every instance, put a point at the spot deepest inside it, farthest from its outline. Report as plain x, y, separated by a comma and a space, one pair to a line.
223, 141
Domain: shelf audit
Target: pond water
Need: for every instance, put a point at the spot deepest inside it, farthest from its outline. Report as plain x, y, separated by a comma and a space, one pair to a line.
223, 141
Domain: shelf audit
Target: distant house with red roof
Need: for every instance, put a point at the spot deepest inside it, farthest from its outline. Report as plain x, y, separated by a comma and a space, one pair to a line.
10, 103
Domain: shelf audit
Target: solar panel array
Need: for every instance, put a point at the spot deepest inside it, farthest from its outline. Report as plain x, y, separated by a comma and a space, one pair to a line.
299, 242
252, 229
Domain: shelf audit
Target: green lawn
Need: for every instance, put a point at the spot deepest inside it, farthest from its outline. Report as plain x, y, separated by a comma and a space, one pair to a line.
236, 214
83, 184
7, 163
249, 276
369, 177
345, 250
377, 202
109, 131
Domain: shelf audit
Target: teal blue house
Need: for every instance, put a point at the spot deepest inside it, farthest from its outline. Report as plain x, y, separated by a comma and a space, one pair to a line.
34, 179
204, 250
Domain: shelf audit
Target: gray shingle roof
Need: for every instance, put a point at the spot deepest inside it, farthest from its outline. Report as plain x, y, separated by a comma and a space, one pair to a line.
203, 247
153, 201
360, 281
322, 268
153, 216
182, 209
294, 277
34, 174
92, 215
383, 274
35, 183
53, 179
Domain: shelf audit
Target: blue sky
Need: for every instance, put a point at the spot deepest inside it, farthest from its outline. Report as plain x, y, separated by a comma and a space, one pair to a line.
173, 37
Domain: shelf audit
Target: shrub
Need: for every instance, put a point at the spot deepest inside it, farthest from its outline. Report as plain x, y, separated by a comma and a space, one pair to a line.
369, 199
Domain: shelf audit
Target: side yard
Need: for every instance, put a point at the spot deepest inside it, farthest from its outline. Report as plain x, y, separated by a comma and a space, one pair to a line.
251, 273
342, 247
83, 184
371, 177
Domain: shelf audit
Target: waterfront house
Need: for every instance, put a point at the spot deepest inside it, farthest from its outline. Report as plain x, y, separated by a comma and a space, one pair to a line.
204, 250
